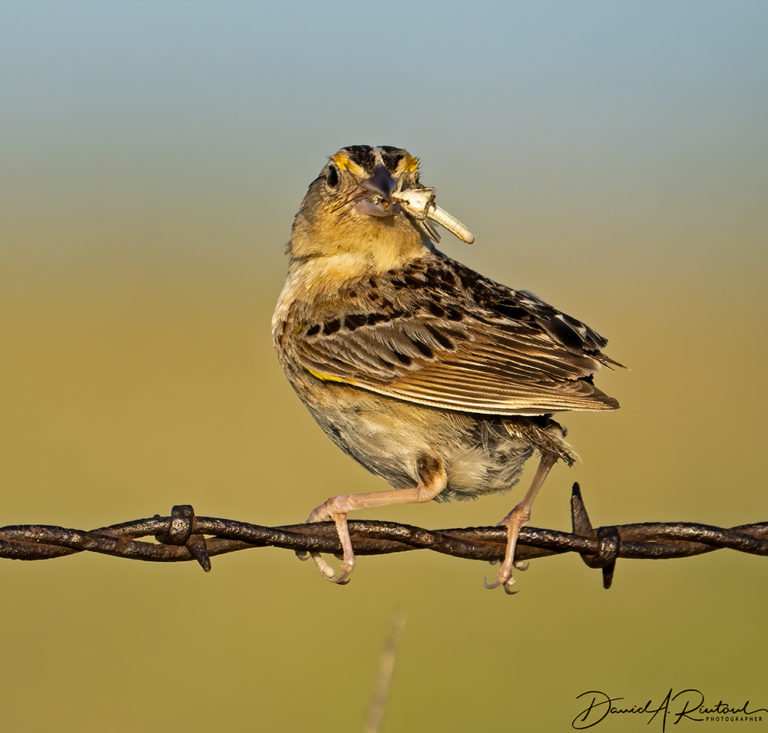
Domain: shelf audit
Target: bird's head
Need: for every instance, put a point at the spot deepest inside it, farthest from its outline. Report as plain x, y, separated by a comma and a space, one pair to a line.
368, 201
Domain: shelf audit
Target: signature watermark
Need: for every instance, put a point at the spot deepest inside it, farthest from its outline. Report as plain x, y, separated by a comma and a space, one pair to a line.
674, 707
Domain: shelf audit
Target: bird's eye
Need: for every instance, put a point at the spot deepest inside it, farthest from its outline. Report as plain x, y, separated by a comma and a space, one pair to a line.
332, 179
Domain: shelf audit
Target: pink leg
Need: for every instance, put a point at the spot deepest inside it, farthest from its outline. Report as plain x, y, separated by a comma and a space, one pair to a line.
516, 520
432, 480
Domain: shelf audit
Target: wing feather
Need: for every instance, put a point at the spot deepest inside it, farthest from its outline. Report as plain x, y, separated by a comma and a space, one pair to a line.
457, 341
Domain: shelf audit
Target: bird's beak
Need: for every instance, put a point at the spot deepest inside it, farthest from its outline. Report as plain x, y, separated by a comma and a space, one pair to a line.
380, 183
378, 188
383, 198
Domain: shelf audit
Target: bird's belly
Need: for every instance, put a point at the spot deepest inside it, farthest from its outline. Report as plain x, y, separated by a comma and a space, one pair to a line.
389, 436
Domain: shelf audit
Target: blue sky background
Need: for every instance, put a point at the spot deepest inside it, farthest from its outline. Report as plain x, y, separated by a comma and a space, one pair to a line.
594, 116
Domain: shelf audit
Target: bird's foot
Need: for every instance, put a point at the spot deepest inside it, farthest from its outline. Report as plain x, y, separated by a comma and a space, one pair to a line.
334, 510
514, 522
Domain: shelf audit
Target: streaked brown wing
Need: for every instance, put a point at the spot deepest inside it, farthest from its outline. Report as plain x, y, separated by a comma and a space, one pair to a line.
451, 349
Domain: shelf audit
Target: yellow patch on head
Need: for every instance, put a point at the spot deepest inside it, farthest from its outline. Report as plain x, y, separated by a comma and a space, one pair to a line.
408, 164
341, 161
345, 163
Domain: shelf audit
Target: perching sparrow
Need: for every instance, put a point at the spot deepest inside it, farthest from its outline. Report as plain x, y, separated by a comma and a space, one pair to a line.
433, 377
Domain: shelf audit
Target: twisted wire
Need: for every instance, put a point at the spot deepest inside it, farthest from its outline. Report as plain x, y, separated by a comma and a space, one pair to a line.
183, 536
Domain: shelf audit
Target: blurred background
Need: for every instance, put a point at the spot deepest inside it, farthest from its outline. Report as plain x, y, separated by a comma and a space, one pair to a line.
610, 157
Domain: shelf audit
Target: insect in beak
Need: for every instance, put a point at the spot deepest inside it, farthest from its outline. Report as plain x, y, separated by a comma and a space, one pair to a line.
420, 204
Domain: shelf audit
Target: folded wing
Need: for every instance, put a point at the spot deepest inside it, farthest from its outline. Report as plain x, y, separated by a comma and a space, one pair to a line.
438, 334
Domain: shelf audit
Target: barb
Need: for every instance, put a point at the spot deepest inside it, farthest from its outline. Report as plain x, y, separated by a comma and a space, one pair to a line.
184, 536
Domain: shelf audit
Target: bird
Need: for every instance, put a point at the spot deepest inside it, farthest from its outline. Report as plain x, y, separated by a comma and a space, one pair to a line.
433, 377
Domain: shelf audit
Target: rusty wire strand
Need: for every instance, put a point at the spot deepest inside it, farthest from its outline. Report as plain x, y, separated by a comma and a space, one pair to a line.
184, 536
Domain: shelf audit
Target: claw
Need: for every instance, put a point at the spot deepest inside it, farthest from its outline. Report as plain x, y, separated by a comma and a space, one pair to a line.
513, 522
325, 569
506, 584
329, 573
504, 579
324, 513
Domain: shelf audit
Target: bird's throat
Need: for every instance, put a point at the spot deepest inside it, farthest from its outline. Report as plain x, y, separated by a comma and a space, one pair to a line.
329, 260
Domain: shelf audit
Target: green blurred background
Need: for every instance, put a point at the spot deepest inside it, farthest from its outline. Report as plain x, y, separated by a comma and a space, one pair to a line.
610, 157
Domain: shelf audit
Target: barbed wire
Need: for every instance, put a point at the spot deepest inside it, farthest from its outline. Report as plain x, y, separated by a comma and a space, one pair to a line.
183, 536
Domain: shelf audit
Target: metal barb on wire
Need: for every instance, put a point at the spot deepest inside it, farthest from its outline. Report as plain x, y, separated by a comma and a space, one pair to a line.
184, 536
608, 538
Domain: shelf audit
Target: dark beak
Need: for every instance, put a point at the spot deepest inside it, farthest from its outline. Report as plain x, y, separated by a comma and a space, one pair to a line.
380, 183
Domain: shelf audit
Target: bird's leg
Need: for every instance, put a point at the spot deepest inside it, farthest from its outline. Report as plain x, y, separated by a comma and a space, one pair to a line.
432, 480
517, 519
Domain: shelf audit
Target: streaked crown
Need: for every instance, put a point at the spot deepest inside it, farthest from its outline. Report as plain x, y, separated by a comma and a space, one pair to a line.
362, 160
